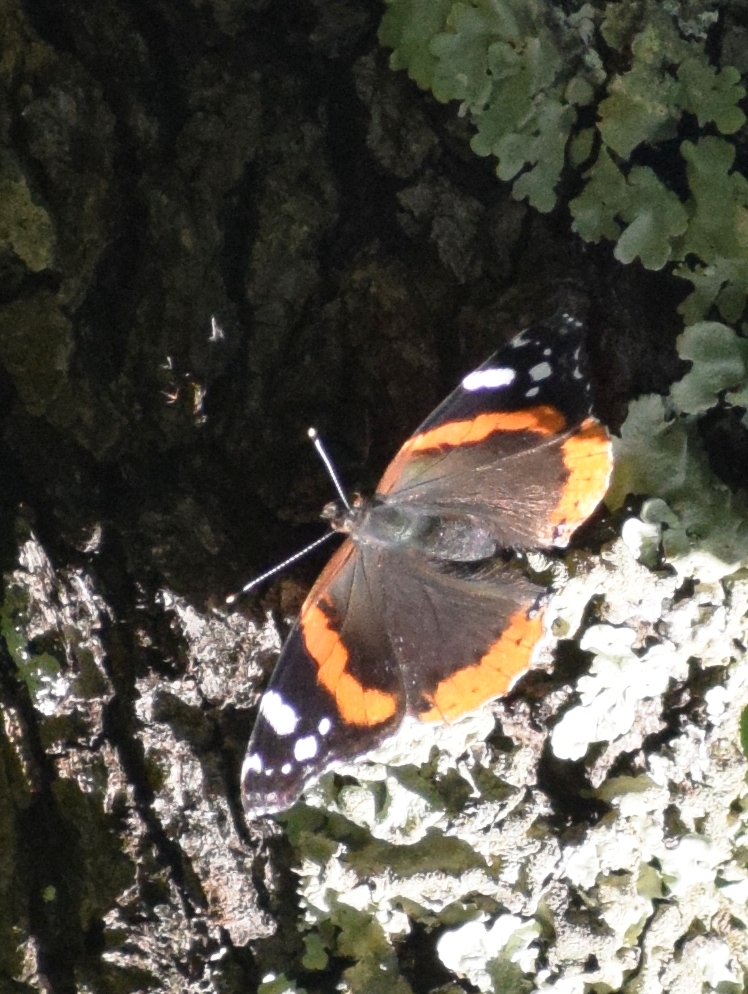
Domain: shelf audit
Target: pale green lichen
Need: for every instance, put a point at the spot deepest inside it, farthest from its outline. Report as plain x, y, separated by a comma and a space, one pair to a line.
716, 242
653, 216
522, 71
660, 453
720, 366
502, 62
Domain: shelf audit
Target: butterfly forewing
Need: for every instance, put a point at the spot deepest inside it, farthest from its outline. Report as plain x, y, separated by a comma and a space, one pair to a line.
336, 689
515, 444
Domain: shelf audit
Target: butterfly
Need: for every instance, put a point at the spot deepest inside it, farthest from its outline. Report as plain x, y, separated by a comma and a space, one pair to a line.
418, 612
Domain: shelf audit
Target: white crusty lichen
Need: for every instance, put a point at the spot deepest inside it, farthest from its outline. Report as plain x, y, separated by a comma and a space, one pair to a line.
619, 679
489, 955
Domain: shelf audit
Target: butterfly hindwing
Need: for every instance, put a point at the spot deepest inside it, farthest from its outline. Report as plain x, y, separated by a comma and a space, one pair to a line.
462, 635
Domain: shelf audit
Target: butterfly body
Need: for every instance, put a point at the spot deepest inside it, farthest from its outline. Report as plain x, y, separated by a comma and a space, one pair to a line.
418, 611
383, 524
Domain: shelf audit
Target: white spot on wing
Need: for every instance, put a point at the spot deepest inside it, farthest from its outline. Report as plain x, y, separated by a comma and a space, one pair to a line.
252, 764
324, 726
286, 768
540, 372
547, 352
489, 379
280, 716
533, 392
305, 748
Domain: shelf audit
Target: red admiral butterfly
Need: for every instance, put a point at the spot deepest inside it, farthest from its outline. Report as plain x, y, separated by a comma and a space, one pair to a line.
417, 613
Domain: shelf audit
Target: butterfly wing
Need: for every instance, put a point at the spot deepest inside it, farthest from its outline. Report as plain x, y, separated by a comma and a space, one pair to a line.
515, 445
336, 690
462, 636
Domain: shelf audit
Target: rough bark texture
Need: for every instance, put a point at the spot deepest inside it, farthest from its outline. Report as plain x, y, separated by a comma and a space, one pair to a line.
219, 223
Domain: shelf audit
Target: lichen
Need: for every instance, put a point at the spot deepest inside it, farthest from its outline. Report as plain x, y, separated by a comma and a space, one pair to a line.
660, 453
524, 72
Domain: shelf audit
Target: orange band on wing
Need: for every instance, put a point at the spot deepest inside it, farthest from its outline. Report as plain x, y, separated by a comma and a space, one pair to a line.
493, 674
588, 458
541, 420
358, 705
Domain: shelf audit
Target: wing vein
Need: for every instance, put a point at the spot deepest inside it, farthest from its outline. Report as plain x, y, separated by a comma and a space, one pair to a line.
427, 470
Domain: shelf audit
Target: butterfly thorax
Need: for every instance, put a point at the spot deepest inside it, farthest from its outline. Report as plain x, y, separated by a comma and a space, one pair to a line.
396, 527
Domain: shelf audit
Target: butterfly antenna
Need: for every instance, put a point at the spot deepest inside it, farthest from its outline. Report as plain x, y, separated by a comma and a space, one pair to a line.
322, 453
232, 598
